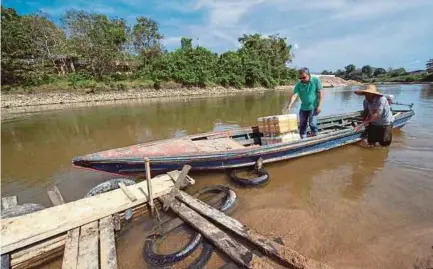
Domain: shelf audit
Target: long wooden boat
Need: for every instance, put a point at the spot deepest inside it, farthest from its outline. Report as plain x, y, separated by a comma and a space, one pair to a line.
228, 149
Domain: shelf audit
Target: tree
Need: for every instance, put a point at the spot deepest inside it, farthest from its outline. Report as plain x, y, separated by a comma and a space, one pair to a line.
146, 40
350, 68
97, 39
379, 71
429, 66
367, 70
48, 42
339, 73
326, 72
15, 46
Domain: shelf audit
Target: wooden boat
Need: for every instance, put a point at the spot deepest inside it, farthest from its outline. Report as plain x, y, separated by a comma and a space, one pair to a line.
229, 149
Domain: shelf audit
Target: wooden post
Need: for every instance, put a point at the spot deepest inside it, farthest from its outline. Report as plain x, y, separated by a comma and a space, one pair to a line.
283, 254
149, 185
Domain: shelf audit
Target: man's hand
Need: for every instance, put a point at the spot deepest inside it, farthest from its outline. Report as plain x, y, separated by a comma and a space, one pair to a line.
318, 110
358, 127
288, 110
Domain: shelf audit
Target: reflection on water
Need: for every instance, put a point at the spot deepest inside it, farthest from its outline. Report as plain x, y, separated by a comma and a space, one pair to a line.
351, 207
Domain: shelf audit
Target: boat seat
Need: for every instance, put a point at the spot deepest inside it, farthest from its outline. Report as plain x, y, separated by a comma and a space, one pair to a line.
220, 144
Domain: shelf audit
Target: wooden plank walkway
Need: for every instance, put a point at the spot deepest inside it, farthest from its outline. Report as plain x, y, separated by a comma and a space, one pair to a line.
83, 230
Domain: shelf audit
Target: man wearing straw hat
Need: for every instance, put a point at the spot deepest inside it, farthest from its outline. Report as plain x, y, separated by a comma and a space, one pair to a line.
377, 116
309, 90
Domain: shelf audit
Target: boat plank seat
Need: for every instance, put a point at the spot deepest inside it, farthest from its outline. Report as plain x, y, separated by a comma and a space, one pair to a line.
220, 144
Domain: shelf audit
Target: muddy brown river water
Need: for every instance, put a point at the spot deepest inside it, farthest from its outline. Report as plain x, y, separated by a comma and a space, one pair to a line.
351, 207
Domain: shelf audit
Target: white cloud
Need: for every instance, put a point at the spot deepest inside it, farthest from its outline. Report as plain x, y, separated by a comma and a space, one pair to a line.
380, 46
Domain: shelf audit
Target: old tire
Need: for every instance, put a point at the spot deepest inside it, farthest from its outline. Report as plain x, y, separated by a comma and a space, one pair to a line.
196, 238
229, 201
251, 177
156, 259
205, 255
20, 210
109, 185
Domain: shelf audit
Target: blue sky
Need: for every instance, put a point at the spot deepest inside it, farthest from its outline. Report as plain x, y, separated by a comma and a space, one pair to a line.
327, 34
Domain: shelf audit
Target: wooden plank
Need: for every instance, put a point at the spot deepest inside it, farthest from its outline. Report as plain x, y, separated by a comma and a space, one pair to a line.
88, 247
283, 254
9, 202
107, 243
55, 196
175, 190
36, 250
128, 193
220, 239
55, 220
70, 256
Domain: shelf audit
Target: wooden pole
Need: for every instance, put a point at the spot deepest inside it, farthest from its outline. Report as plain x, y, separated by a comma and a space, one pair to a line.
149, 185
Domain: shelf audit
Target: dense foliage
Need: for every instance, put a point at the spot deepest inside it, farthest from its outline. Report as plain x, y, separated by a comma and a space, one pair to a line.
88, 49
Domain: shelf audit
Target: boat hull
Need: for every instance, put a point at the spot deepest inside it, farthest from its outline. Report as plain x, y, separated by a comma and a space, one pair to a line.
235, 159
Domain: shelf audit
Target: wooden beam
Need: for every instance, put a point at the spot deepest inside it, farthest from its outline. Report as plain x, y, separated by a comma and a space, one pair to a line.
172, 224
55, 196
175, 190
282, 253
128, 193
88, 247
107, 243
15, 232
220, 239
9, 202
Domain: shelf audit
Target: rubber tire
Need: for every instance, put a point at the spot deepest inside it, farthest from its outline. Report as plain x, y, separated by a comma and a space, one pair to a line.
230, 199
168, 259
109, 185
262, 178
205, 255
20, 210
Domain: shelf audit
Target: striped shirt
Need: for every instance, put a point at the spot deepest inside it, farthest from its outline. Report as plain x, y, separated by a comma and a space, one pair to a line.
385, 115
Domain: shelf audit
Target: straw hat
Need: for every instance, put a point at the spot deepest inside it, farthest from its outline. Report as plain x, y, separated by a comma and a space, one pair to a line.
369, 89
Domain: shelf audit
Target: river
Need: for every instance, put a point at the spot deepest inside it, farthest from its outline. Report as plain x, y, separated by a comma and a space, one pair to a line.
351, 207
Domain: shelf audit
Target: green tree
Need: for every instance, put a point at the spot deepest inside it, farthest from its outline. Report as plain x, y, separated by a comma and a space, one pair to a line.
97, 39
379, 71
15, 46
350, 68
367, 70
147, 40
429, 66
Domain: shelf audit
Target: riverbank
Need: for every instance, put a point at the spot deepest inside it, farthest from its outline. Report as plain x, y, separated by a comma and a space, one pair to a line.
13, 104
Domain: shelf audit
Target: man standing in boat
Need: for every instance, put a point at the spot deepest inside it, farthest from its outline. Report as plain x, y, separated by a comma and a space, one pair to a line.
309, 90
377, 116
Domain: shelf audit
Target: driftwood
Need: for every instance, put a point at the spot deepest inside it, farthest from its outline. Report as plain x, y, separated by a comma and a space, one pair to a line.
283, 254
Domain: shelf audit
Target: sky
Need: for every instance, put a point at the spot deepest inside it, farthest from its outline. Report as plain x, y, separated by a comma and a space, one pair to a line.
325, 34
